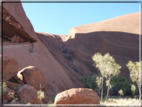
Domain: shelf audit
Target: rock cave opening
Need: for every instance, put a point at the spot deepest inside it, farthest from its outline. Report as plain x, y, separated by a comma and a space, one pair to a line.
12, 31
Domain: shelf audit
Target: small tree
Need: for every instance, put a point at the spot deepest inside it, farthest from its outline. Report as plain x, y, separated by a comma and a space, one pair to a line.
40, 95
121, 92
4, 87
108, 83
99, 62
135, 74
99, 82
112, 69
107, 66
10, 94
133, 89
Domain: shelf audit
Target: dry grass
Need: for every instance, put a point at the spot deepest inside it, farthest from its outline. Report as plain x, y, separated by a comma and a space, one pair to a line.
126, 101
113, 101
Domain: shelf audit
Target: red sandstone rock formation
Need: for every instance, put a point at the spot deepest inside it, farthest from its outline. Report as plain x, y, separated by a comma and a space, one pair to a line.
12, 85
56, 47
16, 23
127, 23
34, 77
39, 56
46, 99
77, 96
28, 94
10, 67
8, 94
118, 36
63, 64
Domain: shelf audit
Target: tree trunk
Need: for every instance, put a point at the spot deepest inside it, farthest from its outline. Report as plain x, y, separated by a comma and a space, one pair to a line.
102, 90
99, 90
139, 93
108, 88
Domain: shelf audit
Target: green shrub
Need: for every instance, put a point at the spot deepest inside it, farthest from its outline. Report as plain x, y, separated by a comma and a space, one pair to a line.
121, 92
92, 82
88, 83
31, 51
10, 94
40, 95
4, 87
15, 88
133, 89
121, 83
14, 79
116, 82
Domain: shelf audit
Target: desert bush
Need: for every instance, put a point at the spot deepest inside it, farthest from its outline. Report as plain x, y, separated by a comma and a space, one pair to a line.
117, 83
88, 83
10, 94
94, 82
135, 74
121, 83
40, 95
16, 88
108, 68
14, 97
14, 79
133, 89
121, 92
4, 86
99, 82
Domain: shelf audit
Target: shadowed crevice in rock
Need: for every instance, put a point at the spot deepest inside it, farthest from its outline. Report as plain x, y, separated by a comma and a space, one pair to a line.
69, 57
12, 30
62, 48
54, 44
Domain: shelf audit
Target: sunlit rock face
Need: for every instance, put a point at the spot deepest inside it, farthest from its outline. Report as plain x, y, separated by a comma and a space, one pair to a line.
22, 43
118, 36
127, 23
77, 96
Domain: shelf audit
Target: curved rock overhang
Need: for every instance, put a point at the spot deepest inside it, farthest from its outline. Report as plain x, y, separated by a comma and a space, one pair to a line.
12, 30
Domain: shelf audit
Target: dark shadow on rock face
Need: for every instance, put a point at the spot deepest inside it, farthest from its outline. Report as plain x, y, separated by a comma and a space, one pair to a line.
58, 46
122, 46
75, 55
61, 54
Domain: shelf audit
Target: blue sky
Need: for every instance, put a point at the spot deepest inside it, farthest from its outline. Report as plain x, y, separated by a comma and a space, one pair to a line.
59, 18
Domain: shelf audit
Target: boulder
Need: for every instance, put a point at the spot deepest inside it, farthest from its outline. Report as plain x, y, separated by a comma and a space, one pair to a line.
10, 67
19, 75
8, 94
34, 77
77, 96
28, 94
21, 82
12, 85
45, 100
5, 102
